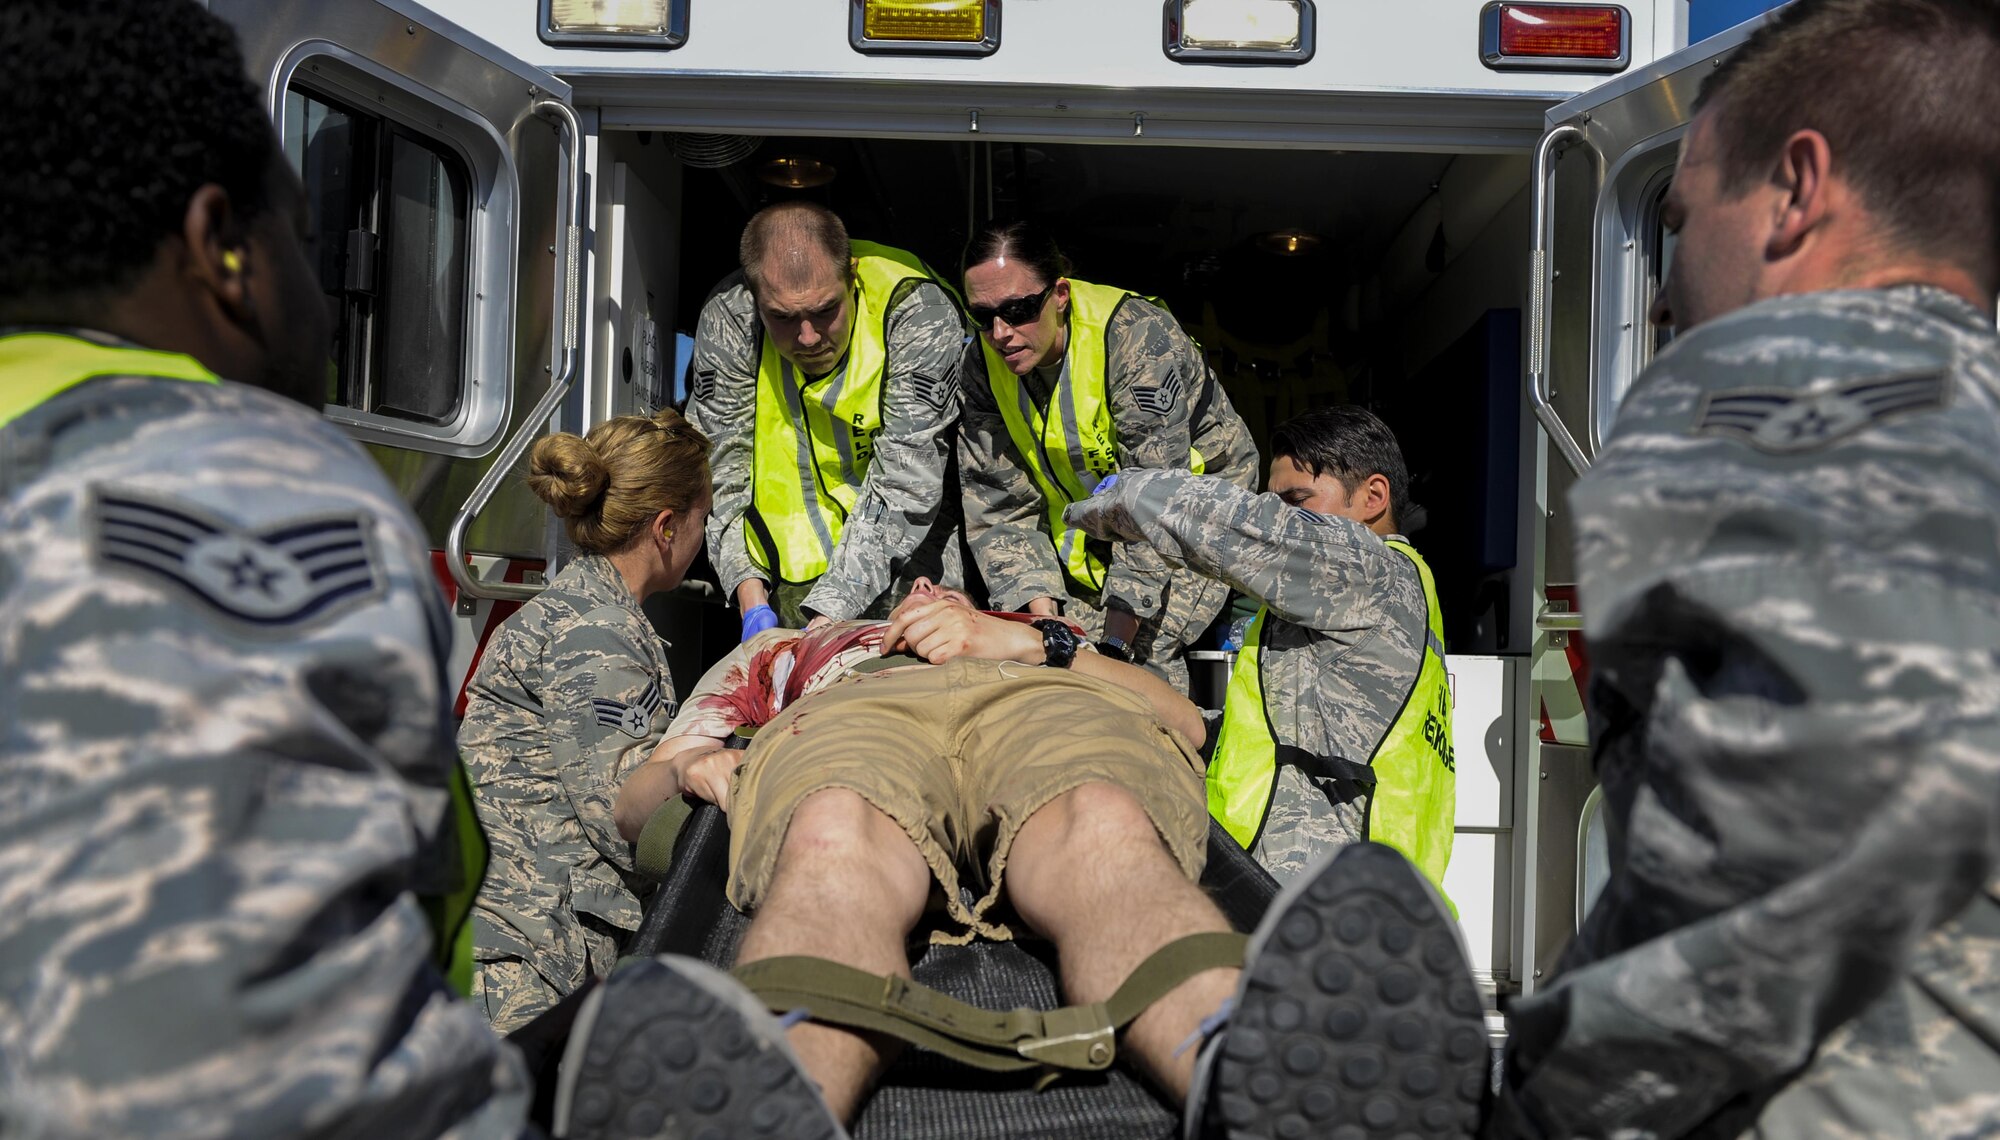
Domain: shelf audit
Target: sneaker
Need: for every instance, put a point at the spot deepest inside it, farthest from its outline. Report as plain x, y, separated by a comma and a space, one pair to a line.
672, 1047
1356, 1016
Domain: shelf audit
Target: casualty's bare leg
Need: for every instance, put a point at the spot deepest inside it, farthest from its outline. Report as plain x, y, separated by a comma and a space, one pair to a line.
849, 887
1090, 872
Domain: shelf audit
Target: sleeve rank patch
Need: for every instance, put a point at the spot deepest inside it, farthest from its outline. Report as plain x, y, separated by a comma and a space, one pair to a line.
1162, 398
633, 719
704, 384
932, 390
279, 577
1781, 421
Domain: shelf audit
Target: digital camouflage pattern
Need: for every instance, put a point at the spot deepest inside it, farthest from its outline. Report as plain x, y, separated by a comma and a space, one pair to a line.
1341, 647
1789, 562
1163, 401
905, 524
221, 779
571, 694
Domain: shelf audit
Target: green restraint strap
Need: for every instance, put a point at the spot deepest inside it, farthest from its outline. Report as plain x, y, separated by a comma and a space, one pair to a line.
1081, 1037
653, 855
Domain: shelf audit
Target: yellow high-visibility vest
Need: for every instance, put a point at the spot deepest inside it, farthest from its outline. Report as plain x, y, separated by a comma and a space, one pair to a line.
1414, 800
37, 367
1070, 451
815, 438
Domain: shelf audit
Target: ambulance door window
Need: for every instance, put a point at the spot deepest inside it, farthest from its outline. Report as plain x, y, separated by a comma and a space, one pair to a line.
390, 209
422, 341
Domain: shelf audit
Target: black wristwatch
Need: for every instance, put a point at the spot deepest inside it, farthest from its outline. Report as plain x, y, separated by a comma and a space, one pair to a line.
1059, 642
1116, 649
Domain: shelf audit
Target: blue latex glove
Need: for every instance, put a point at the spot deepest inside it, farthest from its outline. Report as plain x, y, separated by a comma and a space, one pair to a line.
757, 619
1105, 484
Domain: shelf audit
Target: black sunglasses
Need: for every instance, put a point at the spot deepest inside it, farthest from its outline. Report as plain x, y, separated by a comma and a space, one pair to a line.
1014, 310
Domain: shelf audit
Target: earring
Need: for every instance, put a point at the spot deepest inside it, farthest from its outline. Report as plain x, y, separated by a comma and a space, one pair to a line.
232, 261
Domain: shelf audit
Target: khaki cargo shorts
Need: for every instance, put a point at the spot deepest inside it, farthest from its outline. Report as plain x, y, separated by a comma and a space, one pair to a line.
960, 755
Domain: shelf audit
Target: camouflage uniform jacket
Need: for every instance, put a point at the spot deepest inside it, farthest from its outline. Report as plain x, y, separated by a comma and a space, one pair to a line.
220, 780
1163, 401
1341, 646
905, 522
1790, 570
571, 694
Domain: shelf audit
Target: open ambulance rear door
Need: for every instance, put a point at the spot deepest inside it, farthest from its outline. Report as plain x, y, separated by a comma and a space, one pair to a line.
1598, 255
445, 180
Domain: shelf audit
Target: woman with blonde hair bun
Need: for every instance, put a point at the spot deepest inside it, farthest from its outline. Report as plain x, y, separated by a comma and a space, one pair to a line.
571, 694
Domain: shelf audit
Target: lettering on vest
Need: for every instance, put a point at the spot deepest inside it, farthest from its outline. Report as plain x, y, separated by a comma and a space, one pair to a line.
1437, 731
864, 443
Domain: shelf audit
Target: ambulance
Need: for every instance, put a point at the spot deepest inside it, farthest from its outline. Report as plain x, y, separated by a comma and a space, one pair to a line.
1447, 210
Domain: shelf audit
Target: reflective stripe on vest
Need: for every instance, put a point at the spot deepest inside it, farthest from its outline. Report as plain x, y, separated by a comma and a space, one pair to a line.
37, 367
1414, 801
1070, 452
804, 482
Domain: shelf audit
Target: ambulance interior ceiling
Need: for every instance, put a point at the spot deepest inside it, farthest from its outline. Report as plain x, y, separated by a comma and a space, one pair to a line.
1391, 280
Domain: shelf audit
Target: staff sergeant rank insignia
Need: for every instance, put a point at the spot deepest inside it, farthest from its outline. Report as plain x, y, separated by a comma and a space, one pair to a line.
633, 719
280, 577
1783, 421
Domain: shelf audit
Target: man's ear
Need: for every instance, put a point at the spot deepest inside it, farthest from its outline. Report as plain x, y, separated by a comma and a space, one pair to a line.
1805, 166
217, 251
1375, 491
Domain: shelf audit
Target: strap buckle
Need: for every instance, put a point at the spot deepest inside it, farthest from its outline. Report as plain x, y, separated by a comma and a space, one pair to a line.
1079, 1037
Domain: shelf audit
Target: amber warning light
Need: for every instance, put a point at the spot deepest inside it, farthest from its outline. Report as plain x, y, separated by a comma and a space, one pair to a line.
1583, 37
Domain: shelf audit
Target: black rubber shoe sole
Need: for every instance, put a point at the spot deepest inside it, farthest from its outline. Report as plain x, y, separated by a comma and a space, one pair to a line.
1357, 1016
672, 1047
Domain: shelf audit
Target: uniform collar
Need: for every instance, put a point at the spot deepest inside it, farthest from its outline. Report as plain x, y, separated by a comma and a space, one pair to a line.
592, 579
1941, 303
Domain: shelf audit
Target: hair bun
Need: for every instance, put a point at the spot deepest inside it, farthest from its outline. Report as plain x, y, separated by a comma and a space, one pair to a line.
566, 472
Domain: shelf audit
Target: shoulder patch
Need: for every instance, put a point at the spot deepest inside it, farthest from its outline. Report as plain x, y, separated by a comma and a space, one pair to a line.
633, 719
1785, 421
286, 576
1163, 398
704, 384
933, 391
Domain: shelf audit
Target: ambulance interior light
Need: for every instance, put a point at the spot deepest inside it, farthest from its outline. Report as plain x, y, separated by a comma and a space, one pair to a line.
925, 27
656, 24
1239, 31
1555, 37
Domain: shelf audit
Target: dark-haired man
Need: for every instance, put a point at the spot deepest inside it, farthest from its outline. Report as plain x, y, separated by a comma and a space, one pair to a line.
224, 734
1788, 560
1337, 724
827, 374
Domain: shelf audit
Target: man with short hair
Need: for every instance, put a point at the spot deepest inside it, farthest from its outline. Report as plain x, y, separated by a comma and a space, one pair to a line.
1791, 579
827, 373
1001, 761
1337, 723
1787, 559
225, 735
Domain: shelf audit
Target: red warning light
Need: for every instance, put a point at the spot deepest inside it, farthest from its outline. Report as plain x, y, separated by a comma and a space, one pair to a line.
1555, 37
1561, 31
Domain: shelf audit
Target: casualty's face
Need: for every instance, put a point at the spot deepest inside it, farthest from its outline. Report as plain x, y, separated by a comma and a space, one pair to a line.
924, 591
1322, 494
1033, 342
289, 314
1718, 262
806, 307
